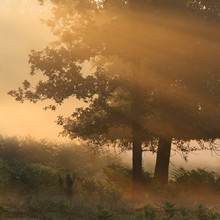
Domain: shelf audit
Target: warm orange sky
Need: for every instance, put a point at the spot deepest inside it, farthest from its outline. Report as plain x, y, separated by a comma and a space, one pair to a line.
20, 31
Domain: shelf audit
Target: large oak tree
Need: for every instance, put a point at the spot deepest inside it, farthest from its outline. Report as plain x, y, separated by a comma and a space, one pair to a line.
150, 77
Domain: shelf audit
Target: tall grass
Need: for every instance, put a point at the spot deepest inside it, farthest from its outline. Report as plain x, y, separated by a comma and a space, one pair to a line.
46, 180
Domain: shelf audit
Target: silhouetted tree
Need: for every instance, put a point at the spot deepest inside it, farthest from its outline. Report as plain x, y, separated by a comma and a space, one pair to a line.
149, 78
113, 100
194, 87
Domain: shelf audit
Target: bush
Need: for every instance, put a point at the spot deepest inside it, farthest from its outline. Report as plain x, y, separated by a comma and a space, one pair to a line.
118, 175
203, 213
10, 149
195, 180
25, 176
103, 214
150, 213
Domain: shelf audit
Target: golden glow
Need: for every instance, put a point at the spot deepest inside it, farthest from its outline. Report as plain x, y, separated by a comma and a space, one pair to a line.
164, 46
171, 44
20, 31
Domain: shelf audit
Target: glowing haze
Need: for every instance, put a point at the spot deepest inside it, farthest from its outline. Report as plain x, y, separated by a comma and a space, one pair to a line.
21, 30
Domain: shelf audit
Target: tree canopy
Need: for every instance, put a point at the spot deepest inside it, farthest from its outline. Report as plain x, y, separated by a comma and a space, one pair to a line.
174, 67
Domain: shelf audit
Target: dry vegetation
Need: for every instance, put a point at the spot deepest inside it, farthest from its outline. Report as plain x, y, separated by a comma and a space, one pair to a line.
45, 180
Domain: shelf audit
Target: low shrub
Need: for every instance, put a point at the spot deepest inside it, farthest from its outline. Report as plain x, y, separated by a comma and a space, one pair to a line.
196, 180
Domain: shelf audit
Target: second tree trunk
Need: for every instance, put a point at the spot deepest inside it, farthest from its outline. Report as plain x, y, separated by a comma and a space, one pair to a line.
161, 172
137, 172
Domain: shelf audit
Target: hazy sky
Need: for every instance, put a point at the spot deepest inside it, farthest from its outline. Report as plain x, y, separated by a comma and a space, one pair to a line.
21, 30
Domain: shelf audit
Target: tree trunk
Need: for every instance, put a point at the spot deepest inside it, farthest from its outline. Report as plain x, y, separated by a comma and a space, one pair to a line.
163, 159
137, 138
137, 171
137, 133
137, 112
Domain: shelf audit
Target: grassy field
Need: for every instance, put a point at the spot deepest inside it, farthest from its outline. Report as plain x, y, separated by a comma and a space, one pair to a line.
46, 180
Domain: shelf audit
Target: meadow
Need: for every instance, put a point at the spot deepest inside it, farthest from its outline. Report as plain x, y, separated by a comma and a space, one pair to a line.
40, 179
